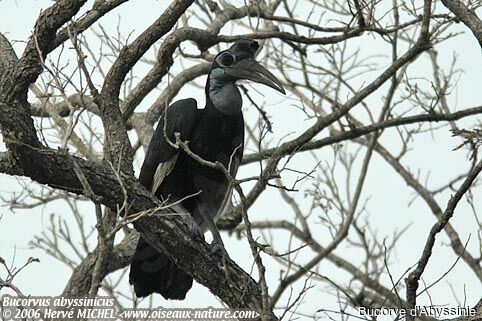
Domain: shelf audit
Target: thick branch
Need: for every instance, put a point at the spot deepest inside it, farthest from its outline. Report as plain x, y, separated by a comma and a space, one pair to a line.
169, 234
41, 42
8, 165
467, 16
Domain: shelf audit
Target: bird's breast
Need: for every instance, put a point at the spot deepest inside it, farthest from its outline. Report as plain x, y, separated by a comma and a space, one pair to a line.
219, 139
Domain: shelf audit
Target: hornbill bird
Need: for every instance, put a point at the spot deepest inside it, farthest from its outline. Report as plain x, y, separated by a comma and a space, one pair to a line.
215, 133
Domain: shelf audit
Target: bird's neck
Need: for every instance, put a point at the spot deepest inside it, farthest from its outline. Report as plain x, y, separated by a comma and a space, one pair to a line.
225, 97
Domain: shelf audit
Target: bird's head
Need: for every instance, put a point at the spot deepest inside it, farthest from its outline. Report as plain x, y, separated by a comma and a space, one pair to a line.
238, 63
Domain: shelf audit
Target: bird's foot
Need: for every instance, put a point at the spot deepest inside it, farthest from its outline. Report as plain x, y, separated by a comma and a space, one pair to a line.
194, 228
218, 246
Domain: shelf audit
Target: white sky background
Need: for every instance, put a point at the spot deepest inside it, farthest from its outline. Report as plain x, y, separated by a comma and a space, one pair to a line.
389, 197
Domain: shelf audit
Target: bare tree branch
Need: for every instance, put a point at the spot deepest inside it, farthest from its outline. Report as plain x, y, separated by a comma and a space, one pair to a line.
413, 278
467, 16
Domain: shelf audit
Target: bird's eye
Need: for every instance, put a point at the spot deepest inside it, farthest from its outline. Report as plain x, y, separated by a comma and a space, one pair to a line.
227, 59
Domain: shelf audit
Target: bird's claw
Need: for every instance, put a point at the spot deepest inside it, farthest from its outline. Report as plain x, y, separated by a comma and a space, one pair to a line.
194, 228
218, 246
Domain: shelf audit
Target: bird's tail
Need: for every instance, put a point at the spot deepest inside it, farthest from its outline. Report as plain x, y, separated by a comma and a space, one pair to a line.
152, 271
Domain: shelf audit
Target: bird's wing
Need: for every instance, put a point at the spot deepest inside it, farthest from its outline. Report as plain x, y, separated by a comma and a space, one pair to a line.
163, 169
161, 156
227, 200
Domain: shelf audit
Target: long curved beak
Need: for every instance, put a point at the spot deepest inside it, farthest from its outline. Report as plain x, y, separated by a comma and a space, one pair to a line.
250, 69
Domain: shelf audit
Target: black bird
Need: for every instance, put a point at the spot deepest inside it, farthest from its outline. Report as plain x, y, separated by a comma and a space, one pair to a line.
215, 133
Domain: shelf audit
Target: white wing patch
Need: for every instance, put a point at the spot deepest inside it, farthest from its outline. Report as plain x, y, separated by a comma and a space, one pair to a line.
163, 169
226, 204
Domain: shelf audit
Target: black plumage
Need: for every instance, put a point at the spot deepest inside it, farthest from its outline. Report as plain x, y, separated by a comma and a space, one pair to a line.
215, 133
